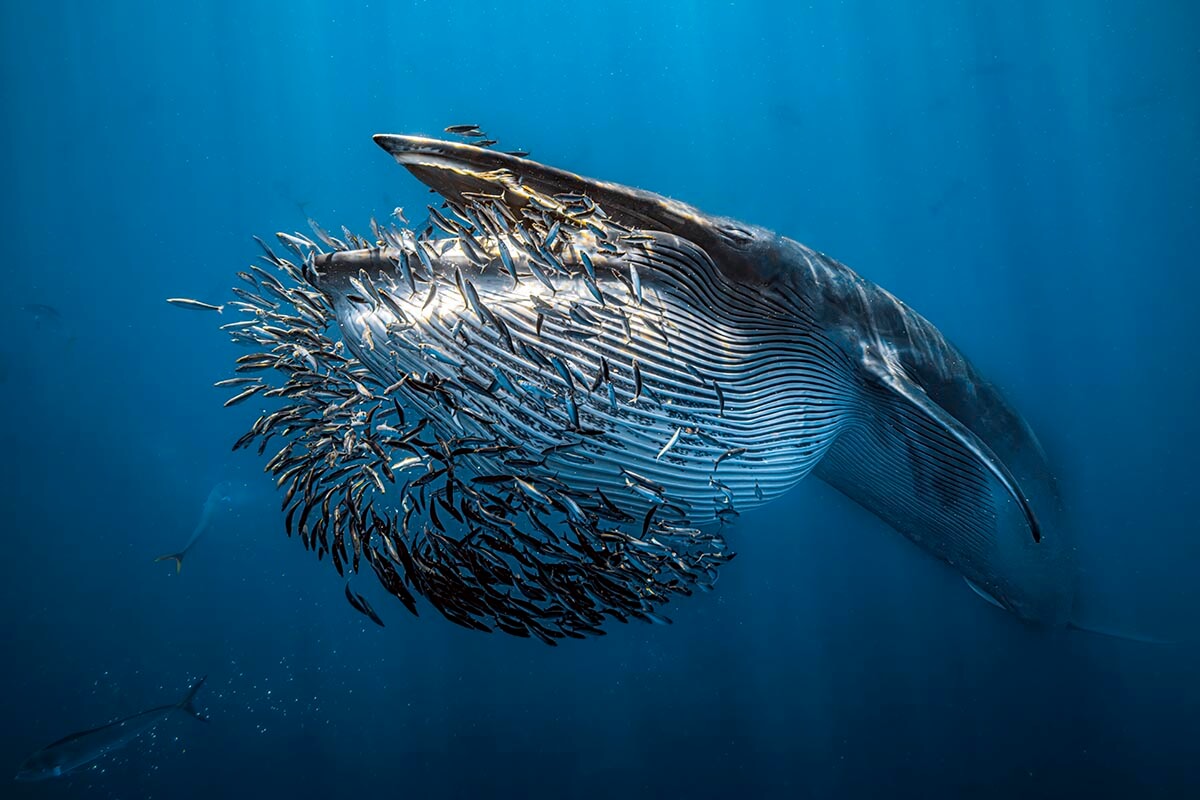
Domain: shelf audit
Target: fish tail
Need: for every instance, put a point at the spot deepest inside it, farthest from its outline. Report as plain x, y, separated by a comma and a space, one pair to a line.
176, 557
186, 703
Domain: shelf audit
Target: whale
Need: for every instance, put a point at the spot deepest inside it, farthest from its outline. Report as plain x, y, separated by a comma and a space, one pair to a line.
544, 408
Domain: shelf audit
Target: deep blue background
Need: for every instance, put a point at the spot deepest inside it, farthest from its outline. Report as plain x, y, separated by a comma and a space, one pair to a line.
1023, 173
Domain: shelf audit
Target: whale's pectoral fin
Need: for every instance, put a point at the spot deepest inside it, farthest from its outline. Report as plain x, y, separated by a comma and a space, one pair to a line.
984, 594
894, 380
911, 463
452, 169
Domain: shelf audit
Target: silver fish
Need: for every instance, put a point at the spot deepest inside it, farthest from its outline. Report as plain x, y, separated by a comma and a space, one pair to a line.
194, 305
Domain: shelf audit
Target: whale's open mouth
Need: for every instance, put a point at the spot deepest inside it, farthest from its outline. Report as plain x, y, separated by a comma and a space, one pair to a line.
539, 410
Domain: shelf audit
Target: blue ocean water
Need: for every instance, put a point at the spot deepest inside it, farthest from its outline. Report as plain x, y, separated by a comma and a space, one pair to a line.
1024, 174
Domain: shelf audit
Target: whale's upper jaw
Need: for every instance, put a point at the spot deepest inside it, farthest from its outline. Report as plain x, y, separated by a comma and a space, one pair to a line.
745, 253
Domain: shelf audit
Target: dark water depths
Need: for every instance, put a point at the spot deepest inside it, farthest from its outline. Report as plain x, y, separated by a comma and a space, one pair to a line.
1024, 174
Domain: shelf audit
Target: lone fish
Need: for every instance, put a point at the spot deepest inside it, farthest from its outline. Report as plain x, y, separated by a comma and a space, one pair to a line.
80, 749
220, 495
194, 305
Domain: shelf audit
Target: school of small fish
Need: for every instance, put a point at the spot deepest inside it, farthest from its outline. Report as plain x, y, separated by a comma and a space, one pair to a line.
450, 442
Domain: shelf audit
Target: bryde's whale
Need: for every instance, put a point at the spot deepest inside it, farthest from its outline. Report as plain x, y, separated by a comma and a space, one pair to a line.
540, 409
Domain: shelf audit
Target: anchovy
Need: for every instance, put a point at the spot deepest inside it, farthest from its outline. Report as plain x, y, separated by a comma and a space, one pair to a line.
730, 453
194, 305
671, 443
506, 260
245, 395
540, 275
360, 604
430, 296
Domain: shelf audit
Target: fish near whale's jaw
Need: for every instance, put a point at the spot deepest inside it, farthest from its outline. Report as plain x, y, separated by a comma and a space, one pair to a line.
539, 411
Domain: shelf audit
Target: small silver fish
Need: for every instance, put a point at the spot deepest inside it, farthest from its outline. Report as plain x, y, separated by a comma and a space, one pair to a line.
636, 280
670, 443
194, 305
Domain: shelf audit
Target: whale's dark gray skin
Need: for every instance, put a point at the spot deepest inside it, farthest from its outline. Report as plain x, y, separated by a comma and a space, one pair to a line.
592, 379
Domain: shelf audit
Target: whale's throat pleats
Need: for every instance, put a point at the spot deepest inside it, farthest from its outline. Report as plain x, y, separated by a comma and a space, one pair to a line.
720, 395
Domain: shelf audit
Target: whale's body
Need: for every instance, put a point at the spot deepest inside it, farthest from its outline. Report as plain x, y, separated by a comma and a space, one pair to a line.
615, 358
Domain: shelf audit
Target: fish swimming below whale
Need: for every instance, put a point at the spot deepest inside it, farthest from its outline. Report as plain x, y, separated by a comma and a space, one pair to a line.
540, 409
81, 750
